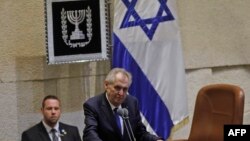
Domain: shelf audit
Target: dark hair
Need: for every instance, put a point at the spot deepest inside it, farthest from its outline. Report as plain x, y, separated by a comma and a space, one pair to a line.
49, 97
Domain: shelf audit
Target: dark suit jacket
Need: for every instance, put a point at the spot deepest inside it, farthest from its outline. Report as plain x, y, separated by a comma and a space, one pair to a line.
100, 123
39, 133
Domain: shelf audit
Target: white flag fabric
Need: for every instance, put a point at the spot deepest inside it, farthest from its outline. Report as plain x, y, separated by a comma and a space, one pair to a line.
146, 42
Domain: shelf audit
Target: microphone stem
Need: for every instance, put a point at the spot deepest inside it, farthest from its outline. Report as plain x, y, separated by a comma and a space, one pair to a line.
126, 126
129, 125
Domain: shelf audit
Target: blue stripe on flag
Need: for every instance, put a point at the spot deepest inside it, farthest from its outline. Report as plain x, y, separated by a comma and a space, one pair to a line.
151, 104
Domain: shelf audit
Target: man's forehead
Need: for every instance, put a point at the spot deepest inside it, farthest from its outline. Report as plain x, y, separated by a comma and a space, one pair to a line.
51, 102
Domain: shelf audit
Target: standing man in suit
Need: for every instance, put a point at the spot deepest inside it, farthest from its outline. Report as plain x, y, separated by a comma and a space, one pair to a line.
50, 129
100, 120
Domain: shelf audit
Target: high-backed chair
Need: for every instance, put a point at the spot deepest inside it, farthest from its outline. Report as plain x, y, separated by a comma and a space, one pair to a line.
216, 105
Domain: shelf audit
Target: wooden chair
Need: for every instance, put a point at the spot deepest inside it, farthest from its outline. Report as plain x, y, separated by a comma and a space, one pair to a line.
216, 105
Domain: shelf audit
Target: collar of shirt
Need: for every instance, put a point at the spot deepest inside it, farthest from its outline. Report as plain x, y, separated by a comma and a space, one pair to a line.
111, 105
48, 128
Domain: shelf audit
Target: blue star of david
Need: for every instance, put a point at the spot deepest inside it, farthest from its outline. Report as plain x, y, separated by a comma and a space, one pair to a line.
163, 15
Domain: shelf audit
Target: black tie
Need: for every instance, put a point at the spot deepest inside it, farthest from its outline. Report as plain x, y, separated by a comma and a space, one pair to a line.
117, 119
54, 137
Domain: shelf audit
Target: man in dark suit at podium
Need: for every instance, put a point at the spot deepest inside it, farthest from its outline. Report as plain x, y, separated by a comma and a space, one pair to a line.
50, 129
100, 119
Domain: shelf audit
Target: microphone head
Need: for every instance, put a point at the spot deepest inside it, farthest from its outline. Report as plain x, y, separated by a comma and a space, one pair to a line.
120, 112
125, 112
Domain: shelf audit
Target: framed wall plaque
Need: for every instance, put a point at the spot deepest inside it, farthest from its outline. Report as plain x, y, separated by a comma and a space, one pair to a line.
76, 30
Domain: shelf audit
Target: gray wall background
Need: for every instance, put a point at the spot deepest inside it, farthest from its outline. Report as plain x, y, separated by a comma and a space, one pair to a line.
215, 38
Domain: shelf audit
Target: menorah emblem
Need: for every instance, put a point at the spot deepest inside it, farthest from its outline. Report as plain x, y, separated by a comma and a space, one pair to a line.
76, 17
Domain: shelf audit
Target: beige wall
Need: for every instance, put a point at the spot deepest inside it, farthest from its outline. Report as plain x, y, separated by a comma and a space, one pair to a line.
215, 33
215, 38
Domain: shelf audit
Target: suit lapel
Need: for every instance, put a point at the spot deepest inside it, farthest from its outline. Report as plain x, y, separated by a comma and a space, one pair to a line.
43, 134
62, 132
109, 115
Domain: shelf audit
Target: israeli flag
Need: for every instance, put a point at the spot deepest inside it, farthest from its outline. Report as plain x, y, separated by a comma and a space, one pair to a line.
146, 42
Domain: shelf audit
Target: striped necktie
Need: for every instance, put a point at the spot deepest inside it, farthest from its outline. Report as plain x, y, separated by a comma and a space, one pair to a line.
54, 137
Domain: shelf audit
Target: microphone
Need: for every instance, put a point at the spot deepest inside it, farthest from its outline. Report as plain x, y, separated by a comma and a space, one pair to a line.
120, 112
123, 112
